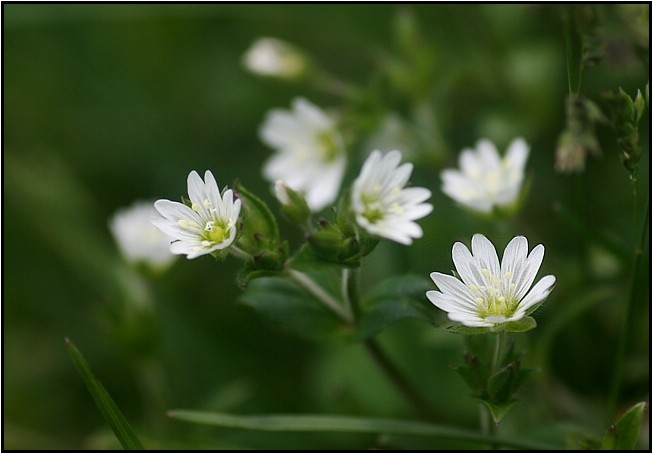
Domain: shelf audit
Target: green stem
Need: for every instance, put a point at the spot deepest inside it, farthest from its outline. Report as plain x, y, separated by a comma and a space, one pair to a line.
318, 292
350, 291
238, 252
417, 403
332, 85
568, 53
628, 316
498, 345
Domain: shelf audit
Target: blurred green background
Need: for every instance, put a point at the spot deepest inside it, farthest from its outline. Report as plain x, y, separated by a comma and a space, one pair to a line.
107, 104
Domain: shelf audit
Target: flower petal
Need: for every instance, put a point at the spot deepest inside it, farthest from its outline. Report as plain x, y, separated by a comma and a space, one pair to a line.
537, 294
485, 254
452, 286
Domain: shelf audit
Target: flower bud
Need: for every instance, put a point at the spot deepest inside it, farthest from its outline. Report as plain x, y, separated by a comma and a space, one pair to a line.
259, 230
275, 58
293, 204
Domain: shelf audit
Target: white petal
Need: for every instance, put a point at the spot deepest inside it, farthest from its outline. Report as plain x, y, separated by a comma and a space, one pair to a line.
525, 276
488, 155
471, 321
195, 188
514, 254
452, 286
485, 253
517, 154
310, 114
464, 263
324, 189
538, 293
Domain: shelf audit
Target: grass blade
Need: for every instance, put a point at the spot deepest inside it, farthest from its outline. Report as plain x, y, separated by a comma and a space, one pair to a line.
110, 411
330, 423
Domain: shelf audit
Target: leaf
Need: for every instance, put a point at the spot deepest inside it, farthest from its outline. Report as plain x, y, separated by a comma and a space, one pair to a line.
293, 308
525, 323
623, 434
333, 423
110, 411
459, 328
394, 299
498, 410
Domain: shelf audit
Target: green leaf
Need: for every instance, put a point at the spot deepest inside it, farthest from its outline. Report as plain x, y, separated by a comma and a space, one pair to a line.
498, 410
459, 328
290, 306
110, 411
332, 423
395, 299
623, 434
525, 323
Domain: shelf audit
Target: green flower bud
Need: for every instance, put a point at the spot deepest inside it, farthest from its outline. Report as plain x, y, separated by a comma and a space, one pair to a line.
293, 204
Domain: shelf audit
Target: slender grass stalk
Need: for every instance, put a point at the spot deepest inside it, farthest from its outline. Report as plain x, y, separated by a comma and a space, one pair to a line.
617, 377
334, 423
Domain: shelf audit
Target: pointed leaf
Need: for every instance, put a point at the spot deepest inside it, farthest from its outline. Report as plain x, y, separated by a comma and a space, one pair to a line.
498, 411
525, 323
110, 411
334, 423
623, 434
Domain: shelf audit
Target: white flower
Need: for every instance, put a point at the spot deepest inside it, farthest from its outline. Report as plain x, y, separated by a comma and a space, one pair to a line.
491, 294
484, 179
208, 225
273, 57
310, 154
382, 205
138, 240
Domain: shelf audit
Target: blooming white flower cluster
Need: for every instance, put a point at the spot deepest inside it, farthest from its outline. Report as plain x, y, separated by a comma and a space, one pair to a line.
274, 57
138, 240
382, 204
310, 154
208, 225
490, 293
484, 180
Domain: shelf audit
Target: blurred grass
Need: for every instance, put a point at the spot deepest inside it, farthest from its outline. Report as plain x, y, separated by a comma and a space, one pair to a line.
105, 104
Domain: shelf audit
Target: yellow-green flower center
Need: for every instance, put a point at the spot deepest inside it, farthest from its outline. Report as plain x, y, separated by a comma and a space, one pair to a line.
215, 232
496, 300
328, 146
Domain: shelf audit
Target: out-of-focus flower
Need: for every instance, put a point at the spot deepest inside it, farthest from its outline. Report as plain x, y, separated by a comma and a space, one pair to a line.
486, 181
275, 58
310, 154
491, 294
208, 225
138, 240
382, 205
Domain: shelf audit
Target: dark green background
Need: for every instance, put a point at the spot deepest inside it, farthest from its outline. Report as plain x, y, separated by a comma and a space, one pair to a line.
107, 104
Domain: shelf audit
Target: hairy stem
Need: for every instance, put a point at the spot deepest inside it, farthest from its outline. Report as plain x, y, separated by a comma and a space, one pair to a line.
318, 292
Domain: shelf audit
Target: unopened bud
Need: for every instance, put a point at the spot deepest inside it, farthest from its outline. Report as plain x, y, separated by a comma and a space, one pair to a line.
275, 58
293, 204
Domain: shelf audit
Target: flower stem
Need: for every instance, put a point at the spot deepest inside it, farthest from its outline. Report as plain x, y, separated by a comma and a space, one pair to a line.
238, 252
498, 344
318, 292
417, 403
350, 291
